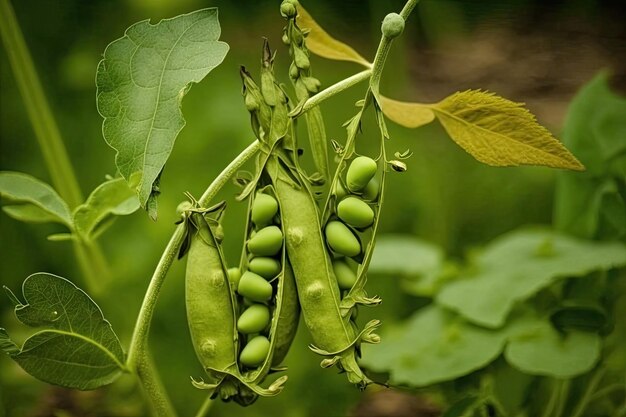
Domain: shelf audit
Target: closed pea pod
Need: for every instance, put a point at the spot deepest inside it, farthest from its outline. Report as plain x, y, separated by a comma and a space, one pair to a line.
211, 323
317, 287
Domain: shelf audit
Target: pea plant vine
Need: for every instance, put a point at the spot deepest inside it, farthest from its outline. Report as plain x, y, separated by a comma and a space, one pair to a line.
310, 234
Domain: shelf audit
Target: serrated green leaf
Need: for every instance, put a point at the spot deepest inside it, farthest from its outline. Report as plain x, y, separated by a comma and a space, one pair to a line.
111, 198
141, 82
31, 200
500, 132
536, 348
321, 43
77, 347
589, 204
434, 345
517, 265
407, 114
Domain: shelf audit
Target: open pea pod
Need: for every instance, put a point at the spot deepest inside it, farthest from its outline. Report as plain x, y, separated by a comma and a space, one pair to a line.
265, 212
211, 314
354, 201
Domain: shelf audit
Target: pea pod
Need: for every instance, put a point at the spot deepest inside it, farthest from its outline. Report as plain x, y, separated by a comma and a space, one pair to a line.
211, 310
257, 362
317, 288
209, 301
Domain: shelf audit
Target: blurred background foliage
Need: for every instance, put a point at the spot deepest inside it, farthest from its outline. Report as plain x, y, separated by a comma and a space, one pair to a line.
533, 51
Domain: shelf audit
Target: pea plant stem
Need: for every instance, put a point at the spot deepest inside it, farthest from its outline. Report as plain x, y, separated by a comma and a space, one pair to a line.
138, 357
587, 397
408, 8
205, 408
332, 90
383, 50
94, 268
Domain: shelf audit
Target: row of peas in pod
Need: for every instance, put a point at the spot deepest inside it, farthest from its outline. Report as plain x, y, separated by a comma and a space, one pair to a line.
255, 283
353, 214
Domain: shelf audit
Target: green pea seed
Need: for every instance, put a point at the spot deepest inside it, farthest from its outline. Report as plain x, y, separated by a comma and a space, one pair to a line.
340, 192
266, 242
355, 212
360, 172
254, 319
344, 274
266, 267
234, 275
254, 287
370, 192
341, 239
255, 352
264, 209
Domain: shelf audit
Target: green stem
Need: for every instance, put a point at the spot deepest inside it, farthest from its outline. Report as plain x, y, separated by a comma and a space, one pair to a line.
331, 91
408, 8
205, 408
601, 393
383, 50
137, 353
153, 388
563, 396
554, 399
46, 129
588, 395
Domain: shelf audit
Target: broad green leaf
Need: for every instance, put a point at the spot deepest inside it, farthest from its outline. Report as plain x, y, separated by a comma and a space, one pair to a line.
321, 43
419, 263
517, 265
434, 345
31, 200
536, 348
500, 132
407, 114
589, 204
113, 197
141, 82
76, 348
29, 213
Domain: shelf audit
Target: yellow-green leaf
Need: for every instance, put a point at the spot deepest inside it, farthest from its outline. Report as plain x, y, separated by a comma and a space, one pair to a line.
321, 43
407, 114
499, 132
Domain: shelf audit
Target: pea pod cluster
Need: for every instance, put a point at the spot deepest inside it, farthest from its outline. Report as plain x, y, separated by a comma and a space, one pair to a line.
333, 331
